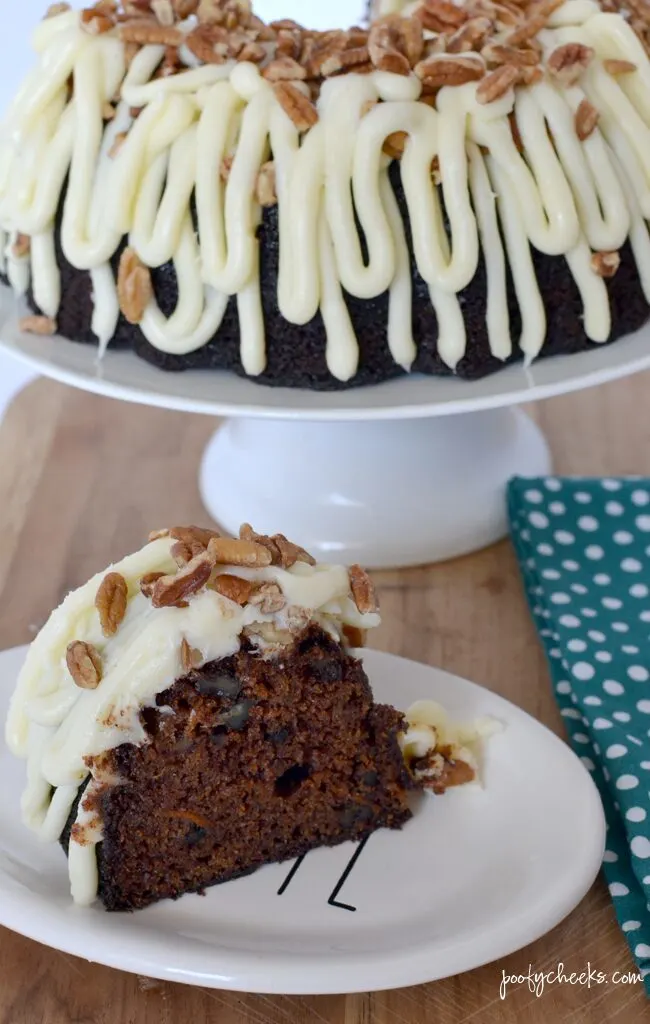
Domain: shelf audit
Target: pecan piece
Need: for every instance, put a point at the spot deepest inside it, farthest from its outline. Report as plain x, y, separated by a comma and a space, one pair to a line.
145, 31
157, 534
497, 83
134, 287
469, 36
299, 107
439, 70
226, 551
605, 264
496, 53
395, 145
265, 188
233, 587
440, 15
284, 69
147, 582
54, 10
586, 119
96, 23
173, 591
22, 246
363, 590
111, 601
208, 43
268, 598
191, 657
568, 62
37, 325
354, 637
619, 67
84, 664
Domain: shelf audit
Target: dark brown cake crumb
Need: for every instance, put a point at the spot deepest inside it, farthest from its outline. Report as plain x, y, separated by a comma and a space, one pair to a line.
250, 761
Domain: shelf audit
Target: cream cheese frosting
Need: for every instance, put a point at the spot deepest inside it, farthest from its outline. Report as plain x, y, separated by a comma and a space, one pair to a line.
433, 740
505, 192
57, 725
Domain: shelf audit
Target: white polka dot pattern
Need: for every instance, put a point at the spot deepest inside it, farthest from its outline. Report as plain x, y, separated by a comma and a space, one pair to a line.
586, 566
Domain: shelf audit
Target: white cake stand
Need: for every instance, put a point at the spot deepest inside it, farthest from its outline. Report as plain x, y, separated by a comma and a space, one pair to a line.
405, 473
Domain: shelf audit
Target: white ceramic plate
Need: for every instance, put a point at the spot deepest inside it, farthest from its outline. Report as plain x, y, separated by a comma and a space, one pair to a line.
476, 875
121, 374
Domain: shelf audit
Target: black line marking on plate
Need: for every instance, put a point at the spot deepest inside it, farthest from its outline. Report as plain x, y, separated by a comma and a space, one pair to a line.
288, 880
333, 902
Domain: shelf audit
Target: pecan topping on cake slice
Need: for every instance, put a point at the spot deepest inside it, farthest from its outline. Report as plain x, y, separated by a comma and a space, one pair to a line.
228, 551
299, 107
363, 590
111, 601
605, 264
233, 587
134, 288
173, 591
84, 664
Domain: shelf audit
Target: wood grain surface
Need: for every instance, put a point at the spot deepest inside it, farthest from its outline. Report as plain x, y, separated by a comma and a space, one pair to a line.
83, 479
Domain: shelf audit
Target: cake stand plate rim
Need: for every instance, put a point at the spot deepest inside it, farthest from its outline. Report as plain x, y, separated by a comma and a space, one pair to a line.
569, 863
123, 376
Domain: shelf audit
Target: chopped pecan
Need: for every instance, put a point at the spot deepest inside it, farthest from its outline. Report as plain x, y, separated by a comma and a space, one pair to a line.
497, 83
21, 246
605, 264
496, 53
96, 23
108, 112
145, 31
157, 534
134, 288
363, 590
227, 551
84, 664
208, 44
173, 591
299, 108
345, 60
37, 325
354, 637
284, 69
439, 70
526, 30
118, 142
54, 10
111, 601
384, 52
147, 582
265, 188
440, 15
254, 53
567, 63
191, 657
586, 119
395, 144
469, 36
290, 553
619, 67
269, 598
530, 76
233, 587
196, 538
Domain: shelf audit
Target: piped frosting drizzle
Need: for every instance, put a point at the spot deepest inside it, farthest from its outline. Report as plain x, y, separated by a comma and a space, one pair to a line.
503, 192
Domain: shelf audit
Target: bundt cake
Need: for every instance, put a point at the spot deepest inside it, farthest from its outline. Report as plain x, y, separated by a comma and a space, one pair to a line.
195, 712
458, 186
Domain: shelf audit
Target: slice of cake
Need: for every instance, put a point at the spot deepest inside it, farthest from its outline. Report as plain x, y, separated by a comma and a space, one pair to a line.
194, 713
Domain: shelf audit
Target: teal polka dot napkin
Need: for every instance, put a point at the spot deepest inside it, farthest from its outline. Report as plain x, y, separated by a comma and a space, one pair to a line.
584, 552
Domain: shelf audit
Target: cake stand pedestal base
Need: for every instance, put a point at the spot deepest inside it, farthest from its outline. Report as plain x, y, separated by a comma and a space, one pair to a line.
385, 494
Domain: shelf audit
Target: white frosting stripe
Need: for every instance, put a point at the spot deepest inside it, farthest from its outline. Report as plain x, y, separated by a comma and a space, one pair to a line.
206, 132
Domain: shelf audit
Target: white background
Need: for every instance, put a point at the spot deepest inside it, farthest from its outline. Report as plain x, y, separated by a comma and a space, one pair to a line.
15, 58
